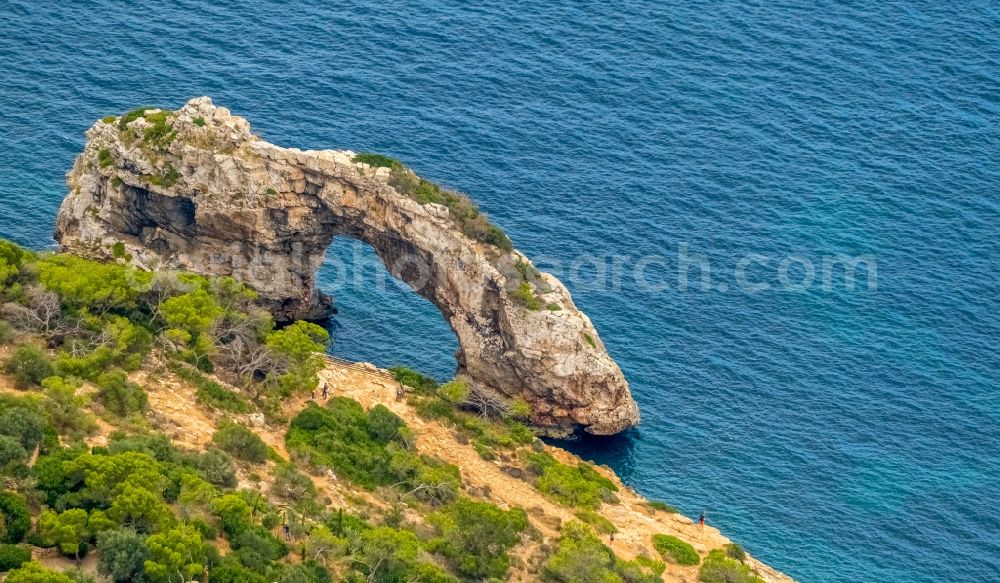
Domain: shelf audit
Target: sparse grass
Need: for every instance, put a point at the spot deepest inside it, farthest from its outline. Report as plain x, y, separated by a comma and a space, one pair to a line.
675, 550
109, 119
199, 121
159, 134
589, 340
553, 307
167, 179
117, 182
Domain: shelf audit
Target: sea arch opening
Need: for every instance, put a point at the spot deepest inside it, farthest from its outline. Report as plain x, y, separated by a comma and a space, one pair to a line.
379, 318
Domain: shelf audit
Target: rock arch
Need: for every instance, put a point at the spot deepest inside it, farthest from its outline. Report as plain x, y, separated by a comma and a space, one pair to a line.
195, 189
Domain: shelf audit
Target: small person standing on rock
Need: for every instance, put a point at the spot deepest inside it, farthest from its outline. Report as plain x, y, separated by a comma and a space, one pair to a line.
701, 520
325, 388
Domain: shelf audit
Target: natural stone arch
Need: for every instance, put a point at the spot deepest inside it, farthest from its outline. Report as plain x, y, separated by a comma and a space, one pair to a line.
195, 189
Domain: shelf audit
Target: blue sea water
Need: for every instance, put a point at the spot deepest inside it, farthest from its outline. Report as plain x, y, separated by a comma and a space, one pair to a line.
840, 435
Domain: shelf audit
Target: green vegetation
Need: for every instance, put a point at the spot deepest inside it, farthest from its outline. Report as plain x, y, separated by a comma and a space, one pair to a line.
120, 395
578, 487
663, 506
371, 449
211, 393
104, 158
466, 215
13, 556
109, 118
169, 177
675, 550
131, 116
156, 511
29, 365
159, 133
581, 558
720, 568
199, 121
378, 161
14, 517
589, 340
240, 442
524, 294
598, 522
422, 384
476, 536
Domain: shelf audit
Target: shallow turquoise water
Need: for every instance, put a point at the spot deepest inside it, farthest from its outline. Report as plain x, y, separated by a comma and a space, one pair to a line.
841, 435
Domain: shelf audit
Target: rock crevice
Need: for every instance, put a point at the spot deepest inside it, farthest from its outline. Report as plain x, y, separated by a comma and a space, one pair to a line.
196, 189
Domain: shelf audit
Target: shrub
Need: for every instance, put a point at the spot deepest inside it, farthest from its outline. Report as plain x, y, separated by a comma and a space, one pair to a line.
199, 121
14, 517
120, 395
463, 212
420, 383
11, 451
104, 158
340, 437
735, 551
600, 523
169, 177
377, 161
240, 442
6, 332
29, 365
370, 449
580, 557
35, 573
658, 505
476, 537
156, 445
122, 555
524, 294
159, 133
132, 116
455, 391
216, 467
25, 425
675, 550
580, 486
13, 556
719, 568
292, 485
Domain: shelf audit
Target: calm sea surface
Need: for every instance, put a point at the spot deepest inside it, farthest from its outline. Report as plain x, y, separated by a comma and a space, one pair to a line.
841, 435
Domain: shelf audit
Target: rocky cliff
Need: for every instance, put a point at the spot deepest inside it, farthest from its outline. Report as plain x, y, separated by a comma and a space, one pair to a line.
196, 189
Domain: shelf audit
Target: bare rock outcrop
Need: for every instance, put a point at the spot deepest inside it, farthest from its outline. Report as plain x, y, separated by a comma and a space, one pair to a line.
196, 189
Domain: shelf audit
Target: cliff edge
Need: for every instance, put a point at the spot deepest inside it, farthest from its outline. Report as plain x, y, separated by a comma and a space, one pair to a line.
195, 189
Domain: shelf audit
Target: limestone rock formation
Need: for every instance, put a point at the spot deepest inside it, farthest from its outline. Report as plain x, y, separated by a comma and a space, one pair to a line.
195, 189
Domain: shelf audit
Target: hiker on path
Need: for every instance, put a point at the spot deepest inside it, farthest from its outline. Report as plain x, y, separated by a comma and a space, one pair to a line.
701, 520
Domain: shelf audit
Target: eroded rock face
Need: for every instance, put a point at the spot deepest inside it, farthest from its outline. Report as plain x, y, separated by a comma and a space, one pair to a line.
201, 192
